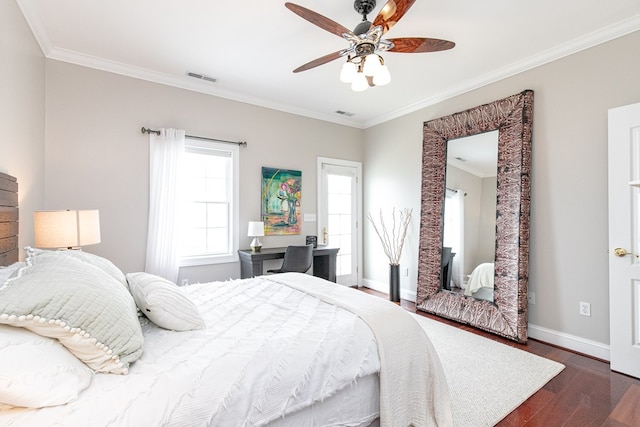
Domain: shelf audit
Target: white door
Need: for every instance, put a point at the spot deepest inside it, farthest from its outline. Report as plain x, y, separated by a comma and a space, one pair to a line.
339, 208
624, 233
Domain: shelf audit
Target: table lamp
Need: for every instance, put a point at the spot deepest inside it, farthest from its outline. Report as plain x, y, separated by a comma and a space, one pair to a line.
66, 229
256, 229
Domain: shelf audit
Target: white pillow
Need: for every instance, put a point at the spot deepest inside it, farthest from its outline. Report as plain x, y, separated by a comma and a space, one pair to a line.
164, 303
87, 310
36, 371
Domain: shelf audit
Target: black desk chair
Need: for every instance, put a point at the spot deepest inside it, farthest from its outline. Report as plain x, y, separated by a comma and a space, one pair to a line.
297, 259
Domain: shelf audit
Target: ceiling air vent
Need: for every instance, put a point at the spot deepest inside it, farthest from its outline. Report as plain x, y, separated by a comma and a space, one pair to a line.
344, 113
202, 77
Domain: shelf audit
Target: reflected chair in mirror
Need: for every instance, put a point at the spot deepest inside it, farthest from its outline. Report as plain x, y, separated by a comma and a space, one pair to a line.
297, 259
447, 264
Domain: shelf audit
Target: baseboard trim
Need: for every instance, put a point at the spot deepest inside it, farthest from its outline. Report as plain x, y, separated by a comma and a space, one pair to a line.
384, 288
570, 342
560, 339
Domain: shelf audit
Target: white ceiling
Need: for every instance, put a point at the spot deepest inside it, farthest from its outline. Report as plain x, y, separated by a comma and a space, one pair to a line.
475, 154
252, 46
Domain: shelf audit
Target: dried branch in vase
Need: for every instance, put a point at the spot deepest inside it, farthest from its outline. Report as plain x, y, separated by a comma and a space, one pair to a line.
393, 239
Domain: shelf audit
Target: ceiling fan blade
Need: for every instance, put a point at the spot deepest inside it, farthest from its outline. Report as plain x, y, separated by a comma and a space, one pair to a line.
319, 20
419, 45
323, 60
391, 13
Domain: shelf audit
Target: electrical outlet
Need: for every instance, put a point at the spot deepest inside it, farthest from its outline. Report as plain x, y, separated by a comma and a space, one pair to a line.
531, 297
405, 272
185, 282
585, 309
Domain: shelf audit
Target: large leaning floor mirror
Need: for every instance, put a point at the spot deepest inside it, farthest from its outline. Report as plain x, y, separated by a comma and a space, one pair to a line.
474, 225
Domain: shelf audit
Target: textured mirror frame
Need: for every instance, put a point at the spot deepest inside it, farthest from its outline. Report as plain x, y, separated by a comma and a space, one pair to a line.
507, 314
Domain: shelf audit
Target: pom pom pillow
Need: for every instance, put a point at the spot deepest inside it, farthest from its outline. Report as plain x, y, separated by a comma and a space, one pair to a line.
84, 308
92, 259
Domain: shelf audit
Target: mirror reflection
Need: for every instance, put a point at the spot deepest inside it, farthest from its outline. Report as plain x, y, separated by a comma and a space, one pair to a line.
470, 216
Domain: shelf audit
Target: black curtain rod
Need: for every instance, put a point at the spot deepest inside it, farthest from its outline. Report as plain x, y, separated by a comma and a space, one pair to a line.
202, 138
454, 190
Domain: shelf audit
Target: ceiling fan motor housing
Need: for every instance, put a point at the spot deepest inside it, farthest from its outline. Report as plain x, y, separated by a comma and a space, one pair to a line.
364, 7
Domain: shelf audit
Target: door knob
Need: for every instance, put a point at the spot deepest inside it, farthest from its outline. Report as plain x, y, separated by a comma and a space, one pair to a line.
622, 252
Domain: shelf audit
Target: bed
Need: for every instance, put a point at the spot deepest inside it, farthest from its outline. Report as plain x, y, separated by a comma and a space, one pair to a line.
82, 343
480, 284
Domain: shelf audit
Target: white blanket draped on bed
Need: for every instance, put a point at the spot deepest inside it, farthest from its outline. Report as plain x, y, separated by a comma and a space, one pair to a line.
481, 277
413, 388
269, 352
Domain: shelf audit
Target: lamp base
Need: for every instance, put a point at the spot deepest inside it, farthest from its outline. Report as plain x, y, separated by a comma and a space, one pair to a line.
256, 245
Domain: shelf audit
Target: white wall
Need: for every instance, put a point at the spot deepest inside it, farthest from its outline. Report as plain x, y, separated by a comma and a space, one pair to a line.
22, 114
487, 221
96, 156
569, 259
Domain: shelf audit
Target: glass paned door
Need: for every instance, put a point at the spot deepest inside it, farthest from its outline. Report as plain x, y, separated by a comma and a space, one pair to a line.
339, 218
339, 215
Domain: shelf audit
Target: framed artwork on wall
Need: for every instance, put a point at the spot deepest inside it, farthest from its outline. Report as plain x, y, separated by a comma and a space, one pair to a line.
281, 194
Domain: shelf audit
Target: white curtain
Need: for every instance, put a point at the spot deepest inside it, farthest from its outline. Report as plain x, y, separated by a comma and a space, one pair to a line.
458, 261
454, 233
166, 152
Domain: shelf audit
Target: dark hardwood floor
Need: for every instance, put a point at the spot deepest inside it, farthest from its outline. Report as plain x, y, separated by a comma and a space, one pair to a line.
585, 393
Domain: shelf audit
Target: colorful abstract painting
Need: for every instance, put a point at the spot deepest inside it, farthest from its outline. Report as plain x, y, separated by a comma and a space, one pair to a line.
281, 191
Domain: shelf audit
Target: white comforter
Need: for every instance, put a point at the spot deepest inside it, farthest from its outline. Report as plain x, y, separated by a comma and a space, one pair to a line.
268, 351
481, 277
413, 388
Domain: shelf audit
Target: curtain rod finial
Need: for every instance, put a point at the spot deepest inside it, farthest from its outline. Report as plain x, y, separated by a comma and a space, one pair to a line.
146, 130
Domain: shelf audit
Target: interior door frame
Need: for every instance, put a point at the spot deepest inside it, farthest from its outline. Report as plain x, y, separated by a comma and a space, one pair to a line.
358, 168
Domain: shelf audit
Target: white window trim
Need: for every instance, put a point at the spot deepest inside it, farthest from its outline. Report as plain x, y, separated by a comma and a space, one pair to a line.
235, 215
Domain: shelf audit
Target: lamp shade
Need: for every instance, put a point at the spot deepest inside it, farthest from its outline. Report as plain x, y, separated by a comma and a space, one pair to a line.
256, 228
66, 229
88, 227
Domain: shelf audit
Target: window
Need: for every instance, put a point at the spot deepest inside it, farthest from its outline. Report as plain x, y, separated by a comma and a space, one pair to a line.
453, 235
210, 203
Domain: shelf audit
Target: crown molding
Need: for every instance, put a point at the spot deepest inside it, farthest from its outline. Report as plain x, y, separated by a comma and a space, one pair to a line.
603, 35
576, 45
36, 26
188, 83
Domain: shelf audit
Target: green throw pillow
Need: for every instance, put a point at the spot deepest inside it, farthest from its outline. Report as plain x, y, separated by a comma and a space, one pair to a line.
84, 308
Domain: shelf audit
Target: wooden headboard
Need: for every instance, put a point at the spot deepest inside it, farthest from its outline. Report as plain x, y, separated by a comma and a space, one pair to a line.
8, 219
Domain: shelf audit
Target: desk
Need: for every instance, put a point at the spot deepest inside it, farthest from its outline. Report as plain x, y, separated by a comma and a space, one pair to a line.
324, 261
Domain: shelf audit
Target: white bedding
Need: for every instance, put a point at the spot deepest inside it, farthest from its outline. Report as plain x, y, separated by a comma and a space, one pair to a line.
481, 277
413, 389
270, 354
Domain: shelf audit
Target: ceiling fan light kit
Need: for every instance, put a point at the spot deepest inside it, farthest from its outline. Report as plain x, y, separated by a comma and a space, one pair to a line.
365, 71
365, 67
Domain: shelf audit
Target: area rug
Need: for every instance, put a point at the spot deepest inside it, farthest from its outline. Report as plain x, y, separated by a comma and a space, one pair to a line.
487, 379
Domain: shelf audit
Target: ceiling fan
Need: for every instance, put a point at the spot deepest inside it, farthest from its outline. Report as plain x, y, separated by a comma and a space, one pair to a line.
364, 66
